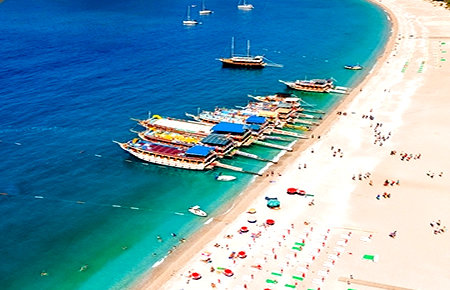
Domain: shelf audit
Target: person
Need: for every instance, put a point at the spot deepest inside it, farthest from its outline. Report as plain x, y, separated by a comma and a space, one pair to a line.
393, 234
173, 234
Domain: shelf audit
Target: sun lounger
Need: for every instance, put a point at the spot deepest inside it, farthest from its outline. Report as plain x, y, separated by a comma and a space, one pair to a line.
277, 274
297, 248
271, 281
297, 278
300, 244
373, 258
289, 285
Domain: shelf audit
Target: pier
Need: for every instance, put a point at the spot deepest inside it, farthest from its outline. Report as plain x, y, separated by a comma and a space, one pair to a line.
266, 144
252, 156
288, 133
234, 168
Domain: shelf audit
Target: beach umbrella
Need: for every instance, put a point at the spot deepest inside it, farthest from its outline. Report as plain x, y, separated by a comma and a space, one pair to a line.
196, 276
242, 254
251, 220
270, 222
292, 190
252, 211
273, 203
228, 272
244, 229
301, 192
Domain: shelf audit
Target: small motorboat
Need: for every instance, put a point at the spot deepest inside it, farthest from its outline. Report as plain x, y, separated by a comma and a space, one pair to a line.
197, 211
353, 67
221, 177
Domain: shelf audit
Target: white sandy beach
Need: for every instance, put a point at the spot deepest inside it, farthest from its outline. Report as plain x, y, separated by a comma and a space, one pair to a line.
323, 245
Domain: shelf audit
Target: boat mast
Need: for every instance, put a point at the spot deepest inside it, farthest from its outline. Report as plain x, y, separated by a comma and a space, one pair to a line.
189, 13
232, 46
248, 47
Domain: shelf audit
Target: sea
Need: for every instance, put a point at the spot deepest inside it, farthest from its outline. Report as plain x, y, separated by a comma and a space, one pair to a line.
77, 212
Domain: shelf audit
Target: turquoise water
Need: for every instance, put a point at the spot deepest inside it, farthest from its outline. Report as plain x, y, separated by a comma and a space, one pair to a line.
74, 72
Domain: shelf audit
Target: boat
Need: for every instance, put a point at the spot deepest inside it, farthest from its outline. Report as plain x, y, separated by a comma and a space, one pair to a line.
222, 145
189, 21
221, 177
197, 211
176, 125
197, 157
353, 67
246, 61
204, 11
314, 85
242, 5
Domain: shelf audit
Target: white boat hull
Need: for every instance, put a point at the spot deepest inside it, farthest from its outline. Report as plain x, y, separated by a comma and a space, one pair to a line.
197, 211
225, 178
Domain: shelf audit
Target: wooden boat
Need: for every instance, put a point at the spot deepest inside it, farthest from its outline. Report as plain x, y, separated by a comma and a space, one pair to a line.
315, 85
246, 61
243, 5
204, 11
256, 124
353, 67
197, 211
176, 125
223, 145
195, 158
189, 21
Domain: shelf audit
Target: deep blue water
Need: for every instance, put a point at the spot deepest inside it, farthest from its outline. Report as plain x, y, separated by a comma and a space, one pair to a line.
72, 73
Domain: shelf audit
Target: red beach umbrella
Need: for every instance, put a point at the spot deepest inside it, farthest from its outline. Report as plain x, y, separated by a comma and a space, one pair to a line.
270, 222
292, 190
244, 229
196, 276
301, 192
228, 272
242, 254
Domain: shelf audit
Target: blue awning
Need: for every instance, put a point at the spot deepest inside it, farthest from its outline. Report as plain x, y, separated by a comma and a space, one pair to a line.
255, 120
199, 150
255, 127
216, 139
225, 127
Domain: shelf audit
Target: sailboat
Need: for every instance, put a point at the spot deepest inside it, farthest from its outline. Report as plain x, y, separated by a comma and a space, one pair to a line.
247, 61
242, 5
204, 11
188, 20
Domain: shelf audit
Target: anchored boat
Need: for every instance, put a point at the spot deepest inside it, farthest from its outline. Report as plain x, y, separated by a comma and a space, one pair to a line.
242, 5
197, 211
246, 61
195, 158
353, 67
189, 21
315, 85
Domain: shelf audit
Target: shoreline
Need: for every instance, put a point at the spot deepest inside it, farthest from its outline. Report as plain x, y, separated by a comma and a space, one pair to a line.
226, 214
159, 277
